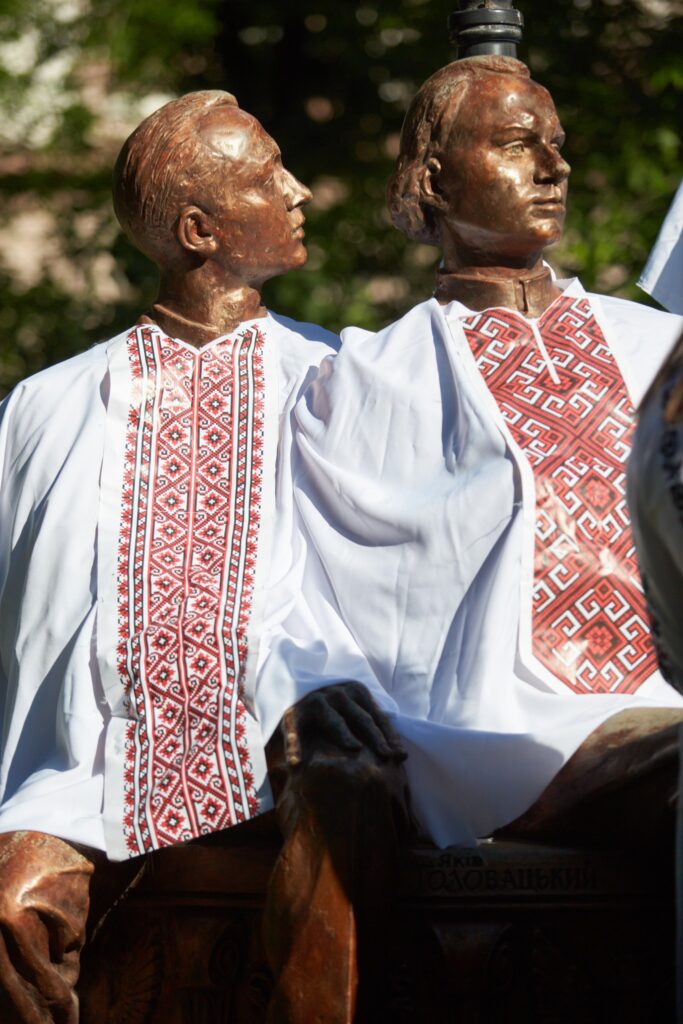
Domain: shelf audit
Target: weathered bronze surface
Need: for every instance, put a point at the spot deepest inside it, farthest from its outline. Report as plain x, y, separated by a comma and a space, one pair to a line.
481, 175
44, 904
500, 935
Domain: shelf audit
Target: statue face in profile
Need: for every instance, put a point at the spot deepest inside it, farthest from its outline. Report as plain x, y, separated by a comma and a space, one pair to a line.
480, 170
252, 201
200, 180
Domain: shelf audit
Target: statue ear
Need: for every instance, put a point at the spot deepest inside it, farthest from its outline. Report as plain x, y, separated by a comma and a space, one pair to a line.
195, 231
428, 181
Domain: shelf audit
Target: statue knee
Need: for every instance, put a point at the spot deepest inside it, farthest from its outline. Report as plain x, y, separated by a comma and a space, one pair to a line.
337, 757
44, 900
363, 798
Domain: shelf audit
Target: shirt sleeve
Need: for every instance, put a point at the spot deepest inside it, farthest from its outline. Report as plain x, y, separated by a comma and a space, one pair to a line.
4, 430
5, 541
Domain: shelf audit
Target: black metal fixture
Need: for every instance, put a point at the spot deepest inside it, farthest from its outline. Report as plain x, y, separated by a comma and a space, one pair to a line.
484, 27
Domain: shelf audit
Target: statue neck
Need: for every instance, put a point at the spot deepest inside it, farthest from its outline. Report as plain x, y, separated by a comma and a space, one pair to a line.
177, 326
204, 305
529, 292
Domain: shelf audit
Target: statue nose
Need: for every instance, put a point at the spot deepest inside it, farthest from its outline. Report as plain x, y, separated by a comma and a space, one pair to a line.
297, 193
552, 166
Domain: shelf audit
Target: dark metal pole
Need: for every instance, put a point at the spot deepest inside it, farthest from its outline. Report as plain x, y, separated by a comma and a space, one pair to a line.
485, 27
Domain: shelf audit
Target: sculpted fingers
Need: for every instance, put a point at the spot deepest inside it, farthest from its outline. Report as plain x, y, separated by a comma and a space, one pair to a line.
49, 980
361, 723
33, 988
314, 720
343, 715
17, 1000
364, 699
335, 725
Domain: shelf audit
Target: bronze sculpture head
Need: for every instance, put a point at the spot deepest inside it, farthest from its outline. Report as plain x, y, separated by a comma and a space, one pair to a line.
480, 171
200, 188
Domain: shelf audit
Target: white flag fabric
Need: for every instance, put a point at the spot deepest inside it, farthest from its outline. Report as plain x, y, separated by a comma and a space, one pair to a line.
662, 277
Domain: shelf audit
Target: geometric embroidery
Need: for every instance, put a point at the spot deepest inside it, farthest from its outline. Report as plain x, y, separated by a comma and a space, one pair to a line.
187, 552
590, 624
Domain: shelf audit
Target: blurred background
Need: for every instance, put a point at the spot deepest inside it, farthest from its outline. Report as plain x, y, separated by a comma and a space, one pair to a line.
331, 82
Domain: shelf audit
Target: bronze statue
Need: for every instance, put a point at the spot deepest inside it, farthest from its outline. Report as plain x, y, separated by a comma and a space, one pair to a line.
226, 172
509, 142
481, 174
476, 451
502, 144
200, 188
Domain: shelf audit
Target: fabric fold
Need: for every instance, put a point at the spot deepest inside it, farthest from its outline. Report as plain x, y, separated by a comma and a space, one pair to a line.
419, 503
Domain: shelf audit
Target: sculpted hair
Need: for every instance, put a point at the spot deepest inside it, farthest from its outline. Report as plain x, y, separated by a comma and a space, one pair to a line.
428, 122
157, 166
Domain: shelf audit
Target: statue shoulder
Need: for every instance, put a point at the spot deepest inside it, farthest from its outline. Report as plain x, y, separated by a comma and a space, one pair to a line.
306, 333
44, 403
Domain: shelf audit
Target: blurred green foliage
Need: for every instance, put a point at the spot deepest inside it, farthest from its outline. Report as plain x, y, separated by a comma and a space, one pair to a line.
331, 83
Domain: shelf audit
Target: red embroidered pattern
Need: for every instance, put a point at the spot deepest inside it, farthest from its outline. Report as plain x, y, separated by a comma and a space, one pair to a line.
187, 549
590, 626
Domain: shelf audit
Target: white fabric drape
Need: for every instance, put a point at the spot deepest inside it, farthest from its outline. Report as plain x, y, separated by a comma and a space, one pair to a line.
62, 459
415, 518
392, 554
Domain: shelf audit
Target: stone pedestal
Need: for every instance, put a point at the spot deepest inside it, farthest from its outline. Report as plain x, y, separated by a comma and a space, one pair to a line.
498, 935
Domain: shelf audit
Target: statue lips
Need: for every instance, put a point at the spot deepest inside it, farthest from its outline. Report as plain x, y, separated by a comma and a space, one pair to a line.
553, 204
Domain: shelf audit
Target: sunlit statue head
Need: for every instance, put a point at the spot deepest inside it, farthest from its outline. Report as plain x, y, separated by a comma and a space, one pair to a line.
200, 188
480, 171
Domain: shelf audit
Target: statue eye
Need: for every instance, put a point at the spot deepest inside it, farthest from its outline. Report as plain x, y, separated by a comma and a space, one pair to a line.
515, 147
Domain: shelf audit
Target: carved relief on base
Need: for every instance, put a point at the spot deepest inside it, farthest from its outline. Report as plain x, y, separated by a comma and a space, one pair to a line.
502, 935
122, 974
177, 967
